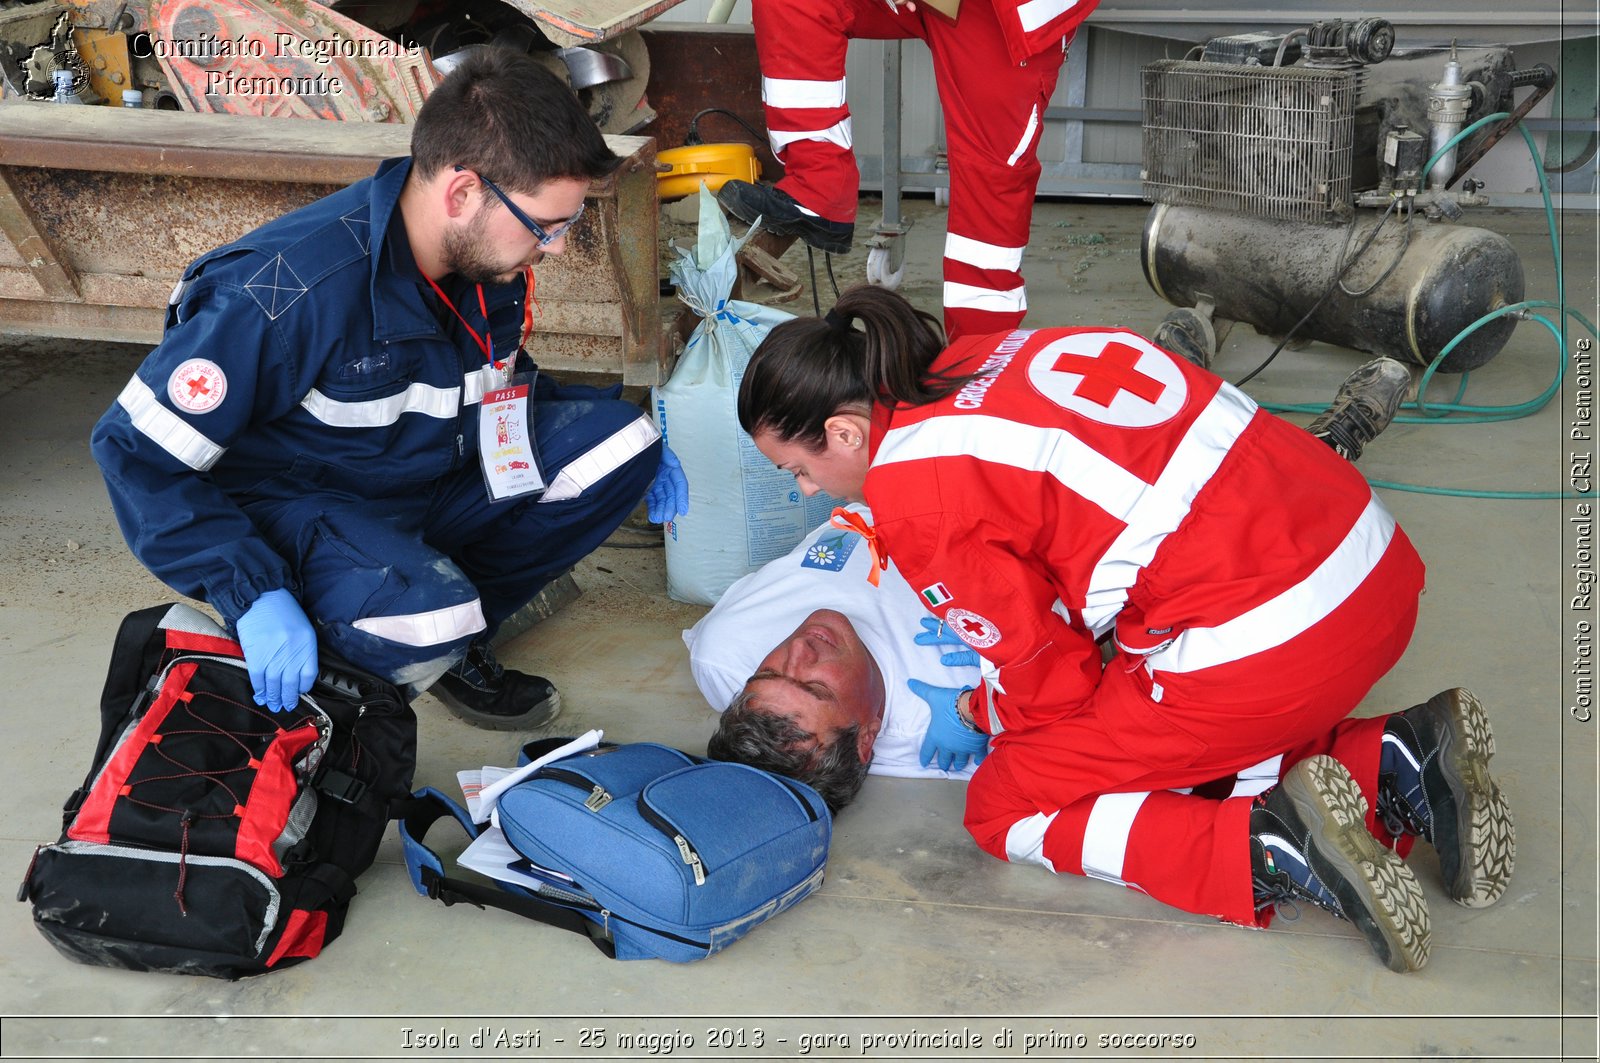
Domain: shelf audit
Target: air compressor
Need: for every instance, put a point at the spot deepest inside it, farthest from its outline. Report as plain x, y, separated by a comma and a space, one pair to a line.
1307, 182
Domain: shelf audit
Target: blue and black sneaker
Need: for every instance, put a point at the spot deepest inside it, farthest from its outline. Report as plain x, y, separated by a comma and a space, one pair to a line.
1433, 782
1309, 842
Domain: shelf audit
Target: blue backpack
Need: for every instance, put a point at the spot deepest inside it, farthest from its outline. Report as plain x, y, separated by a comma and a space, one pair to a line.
655, 853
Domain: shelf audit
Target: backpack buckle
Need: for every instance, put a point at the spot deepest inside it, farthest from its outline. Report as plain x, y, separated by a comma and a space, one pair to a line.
341, 786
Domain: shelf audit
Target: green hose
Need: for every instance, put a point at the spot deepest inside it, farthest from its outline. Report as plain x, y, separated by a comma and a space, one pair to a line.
1456, 412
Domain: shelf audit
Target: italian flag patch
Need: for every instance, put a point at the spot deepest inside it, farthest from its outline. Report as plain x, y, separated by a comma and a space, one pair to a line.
935, 595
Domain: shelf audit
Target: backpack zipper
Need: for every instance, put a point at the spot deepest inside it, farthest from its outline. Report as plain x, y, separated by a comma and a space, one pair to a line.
811, 813
598, 796
685, 850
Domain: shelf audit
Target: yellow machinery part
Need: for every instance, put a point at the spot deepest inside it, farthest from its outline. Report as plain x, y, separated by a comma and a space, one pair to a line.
105, 55
713, 164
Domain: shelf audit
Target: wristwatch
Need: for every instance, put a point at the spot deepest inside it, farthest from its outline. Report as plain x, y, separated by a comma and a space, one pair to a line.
964, 710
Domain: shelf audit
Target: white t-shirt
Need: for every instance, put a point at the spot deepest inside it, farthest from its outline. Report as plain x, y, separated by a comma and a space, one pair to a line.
828, 570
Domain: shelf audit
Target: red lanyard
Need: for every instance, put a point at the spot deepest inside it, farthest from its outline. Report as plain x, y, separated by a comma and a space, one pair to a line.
486, 341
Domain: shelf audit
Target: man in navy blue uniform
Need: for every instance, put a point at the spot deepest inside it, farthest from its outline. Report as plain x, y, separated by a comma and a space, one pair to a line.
302, 450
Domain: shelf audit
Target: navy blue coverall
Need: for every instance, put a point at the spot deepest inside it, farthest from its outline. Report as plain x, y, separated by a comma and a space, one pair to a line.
310, 422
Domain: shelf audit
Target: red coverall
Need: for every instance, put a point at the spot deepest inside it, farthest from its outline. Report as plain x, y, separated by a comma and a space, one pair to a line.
995, 65
1084, 481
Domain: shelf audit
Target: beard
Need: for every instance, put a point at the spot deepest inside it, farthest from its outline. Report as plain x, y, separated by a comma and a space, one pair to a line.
468, 254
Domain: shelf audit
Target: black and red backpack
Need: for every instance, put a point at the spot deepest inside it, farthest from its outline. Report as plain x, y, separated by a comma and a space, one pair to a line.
213, 836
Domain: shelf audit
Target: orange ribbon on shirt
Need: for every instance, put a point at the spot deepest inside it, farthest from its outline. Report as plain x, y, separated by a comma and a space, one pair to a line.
845, 520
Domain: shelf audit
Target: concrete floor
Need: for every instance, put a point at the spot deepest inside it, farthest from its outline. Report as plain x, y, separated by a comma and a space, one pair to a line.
915, 934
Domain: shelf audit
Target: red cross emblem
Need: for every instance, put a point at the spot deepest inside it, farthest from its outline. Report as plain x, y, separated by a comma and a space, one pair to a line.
1116, 378
197, 385
1109, 375
976, 631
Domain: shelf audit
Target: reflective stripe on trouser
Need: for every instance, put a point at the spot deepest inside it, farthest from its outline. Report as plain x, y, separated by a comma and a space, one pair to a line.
993, 115
801, 45
993, 118
1188, 850
1292, 699
401, 586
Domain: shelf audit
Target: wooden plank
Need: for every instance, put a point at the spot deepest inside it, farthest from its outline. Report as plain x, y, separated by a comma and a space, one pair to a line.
572, 22
106, 206
55, 278
230, 146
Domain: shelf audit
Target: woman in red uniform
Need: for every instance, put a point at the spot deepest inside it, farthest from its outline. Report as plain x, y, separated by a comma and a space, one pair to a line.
1043, 489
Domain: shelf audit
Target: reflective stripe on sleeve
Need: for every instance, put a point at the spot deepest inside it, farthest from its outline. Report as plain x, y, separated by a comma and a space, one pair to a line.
609, 455
166, 429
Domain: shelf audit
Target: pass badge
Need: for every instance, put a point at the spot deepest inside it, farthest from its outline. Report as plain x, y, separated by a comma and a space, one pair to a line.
505, 446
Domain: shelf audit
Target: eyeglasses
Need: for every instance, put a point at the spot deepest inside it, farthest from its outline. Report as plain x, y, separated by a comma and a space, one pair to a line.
544, 236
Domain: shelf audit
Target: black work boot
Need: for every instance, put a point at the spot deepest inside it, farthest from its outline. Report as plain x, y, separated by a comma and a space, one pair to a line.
1433, 782
1189, 334
780, 215
1363, 406
1309, 841
485, 694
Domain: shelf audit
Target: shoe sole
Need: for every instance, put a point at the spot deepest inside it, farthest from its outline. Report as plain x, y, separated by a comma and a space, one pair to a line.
1478, 859
541, 715
1390, 909
796, 227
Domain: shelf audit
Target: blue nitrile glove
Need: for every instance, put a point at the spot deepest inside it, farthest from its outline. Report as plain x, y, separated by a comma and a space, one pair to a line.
948, 742
280, 650
936, 633
668, 496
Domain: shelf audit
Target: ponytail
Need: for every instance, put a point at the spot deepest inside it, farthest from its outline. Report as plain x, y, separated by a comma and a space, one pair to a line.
808, 369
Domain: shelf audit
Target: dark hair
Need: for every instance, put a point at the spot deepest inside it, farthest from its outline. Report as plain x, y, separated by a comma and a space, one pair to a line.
502, 115
775, 743
811, 368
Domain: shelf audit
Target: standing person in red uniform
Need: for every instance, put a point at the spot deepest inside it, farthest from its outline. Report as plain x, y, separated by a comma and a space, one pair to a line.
1043, 488
995, 64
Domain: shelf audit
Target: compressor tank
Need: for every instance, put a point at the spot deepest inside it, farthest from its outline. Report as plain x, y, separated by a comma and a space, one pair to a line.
1269, 273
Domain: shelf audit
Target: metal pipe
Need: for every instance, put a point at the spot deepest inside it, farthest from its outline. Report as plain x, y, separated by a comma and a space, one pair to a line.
1543, 79
1449, 100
